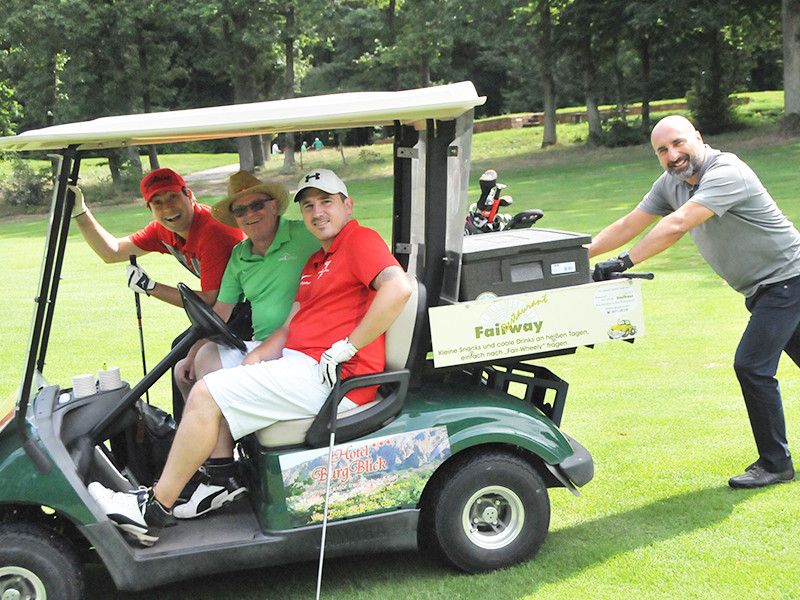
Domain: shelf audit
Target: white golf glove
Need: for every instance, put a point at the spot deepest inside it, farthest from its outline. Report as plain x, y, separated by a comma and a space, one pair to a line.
80, 205
138, 280
340, 352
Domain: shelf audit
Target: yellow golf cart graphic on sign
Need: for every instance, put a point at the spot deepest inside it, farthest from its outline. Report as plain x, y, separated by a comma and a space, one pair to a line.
623, 329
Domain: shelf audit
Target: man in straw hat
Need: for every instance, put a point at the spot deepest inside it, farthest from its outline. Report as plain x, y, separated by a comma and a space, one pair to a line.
180, 227
264, 269
351, 291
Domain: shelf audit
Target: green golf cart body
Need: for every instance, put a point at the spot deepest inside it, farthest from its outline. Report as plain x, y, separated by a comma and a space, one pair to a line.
453, 463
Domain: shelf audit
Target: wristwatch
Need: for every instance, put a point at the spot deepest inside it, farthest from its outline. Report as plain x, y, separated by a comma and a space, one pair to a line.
625, 260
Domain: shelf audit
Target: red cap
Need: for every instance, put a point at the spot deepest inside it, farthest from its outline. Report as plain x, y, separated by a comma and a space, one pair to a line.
161, 180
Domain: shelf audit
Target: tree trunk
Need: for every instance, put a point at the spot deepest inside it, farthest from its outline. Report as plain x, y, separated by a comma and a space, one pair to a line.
134, 159
549, 136
790, 16
391, 22
644, 58
619, 83
147, 99
257, 145
245, 150
589, 78
115, 166
288, 153
152, 153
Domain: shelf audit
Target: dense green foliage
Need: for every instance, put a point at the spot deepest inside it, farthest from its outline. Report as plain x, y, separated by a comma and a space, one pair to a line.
65, 61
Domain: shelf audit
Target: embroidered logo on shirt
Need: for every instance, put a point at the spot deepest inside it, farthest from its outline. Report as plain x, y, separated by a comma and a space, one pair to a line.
304, 280
324, 269
286, 256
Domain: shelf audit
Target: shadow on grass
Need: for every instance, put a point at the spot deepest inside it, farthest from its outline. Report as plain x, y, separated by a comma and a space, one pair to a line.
566, 553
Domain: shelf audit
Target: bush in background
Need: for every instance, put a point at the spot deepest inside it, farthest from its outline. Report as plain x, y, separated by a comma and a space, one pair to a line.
24, 189
619, 133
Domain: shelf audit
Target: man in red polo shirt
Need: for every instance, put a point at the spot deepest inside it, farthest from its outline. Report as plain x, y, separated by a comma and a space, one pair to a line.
350, 292
181, 227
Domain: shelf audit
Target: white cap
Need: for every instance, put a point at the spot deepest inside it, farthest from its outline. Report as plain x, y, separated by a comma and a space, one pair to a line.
322, 179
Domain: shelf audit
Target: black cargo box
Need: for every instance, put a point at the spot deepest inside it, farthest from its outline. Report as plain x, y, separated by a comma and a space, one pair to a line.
522, 260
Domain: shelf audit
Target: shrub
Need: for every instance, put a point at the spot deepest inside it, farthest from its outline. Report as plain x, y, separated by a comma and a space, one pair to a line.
24, 189
370, 156
619, 133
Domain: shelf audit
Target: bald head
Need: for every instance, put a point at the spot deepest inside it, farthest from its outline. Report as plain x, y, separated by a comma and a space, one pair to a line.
675, 124
679, 147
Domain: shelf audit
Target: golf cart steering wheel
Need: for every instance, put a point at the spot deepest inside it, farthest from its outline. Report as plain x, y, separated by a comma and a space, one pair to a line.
208, 323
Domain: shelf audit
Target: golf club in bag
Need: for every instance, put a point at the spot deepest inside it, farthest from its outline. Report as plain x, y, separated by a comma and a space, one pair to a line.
484, 215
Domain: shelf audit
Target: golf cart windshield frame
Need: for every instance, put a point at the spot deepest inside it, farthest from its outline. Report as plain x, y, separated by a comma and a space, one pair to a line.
432, 147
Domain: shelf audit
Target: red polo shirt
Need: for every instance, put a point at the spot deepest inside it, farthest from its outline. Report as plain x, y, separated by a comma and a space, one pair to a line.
334, 296
205, 251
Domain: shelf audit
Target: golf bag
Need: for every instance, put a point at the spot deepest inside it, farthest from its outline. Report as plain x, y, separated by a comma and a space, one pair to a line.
142, 447
484, 215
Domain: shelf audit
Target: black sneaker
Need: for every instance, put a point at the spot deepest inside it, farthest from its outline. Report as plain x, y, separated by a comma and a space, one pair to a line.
200, 476
211, 495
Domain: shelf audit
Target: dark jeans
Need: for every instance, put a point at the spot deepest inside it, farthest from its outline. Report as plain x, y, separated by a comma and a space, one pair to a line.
774, 327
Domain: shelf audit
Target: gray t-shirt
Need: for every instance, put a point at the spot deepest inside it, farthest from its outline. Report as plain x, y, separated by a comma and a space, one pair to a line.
748, 242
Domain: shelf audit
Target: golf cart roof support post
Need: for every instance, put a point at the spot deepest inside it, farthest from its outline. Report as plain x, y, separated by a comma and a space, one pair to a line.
439, 136
66, 219
54, 254
404, 137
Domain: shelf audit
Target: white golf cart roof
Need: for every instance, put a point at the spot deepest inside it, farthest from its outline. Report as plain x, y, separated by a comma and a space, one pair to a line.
334, 111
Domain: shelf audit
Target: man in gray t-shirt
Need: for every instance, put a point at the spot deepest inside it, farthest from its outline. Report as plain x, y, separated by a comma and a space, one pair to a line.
748, 241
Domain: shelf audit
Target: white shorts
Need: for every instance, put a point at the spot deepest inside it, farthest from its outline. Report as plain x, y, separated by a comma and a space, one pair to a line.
252, 397
231, 357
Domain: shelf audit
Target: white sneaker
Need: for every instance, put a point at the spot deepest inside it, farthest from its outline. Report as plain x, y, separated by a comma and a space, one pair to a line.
129, 510
208, 497
126, 509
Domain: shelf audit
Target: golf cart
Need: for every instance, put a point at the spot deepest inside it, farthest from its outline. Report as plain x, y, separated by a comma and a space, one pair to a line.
456, 455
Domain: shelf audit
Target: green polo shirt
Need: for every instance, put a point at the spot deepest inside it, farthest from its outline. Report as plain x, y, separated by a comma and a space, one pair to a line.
269, 282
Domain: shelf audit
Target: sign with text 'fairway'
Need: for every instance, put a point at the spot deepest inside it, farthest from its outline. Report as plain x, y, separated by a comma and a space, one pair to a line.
536, 322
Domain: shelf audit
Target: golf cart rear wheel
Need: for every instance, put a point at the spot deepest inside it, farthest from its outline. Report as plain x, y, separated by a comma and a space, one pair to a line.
38, 564
487, 511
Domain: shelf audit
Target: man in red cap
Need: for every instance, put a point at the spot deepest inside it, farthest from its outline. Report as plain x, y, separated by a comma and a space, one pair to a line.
181, 227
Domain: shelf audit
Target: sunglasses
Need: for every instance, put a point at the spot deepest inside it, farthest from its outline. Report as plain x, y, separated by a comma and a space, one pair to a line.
255, 206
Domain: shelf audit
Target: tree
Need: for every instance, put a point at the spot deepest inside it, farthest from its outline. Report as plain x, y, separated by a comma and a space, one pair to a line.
541, 18
790, 17
10, 110
34, 59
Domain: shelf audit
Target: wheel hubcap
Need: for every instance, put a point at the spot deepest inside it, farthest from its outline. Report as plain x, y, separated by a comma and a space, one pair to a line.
493, 517
17, 583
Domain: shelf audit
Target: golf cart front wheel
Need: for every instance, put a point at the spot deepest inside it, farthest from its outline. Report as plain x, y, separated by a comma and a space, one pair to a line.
486, 512
37, 564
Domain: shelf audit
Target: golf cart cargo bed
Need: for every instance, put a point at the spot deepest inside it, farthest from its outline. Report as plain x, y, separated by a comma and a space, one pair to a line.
523, 260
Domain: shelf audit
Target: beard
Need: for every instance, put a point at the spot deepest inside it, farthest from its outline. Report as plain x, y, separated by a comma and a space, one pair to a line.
694, 162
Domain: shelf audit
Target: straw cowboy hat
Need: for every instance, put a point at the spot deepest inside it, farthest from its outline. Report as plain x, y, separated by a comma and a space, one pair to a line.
244, 183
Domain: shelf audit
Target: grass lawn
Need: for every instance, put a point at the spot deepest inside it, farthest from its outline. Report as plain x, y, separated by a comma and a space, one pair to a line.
662, 417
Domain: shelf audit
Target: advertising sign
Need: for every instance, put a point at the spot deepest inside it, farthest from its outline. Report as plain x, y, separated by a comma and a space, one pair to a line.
496, 328
366, 476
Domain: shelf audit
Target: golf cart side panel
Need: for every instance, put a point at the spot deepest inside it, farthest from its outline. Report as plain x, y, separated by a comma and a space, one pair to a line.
136, 569
24, 484
476, 415
437, 422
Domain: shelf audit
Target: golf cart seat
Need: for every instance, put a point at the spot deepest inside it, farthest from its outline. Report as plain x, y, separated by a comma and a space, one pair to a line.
364, 419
